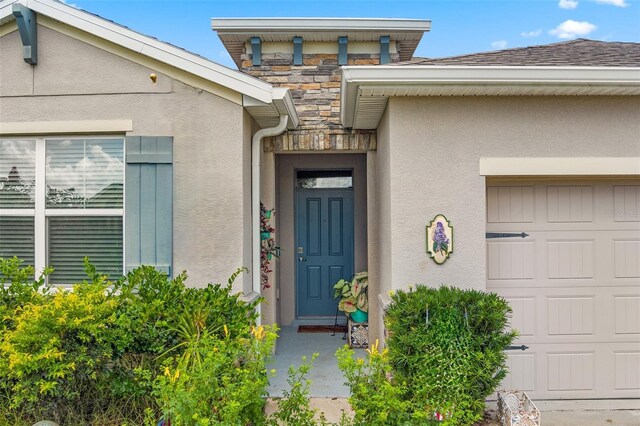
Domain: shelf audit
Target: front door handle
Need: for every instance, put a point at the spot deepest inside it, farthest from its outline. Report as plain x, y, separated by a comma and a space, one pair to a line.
302, 259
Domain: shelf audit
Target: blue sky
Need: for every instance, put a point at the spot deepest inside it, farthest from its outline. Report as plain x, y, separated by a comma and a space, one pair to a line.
458, 27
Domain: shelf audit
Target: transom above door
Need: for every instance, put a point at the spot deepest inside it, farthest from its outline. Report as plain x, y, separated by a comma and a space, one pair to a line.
324, 238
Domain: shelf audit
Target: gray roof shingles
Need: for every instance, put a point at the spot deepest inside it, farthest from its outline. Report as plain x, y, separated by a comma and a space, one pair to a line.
579, 52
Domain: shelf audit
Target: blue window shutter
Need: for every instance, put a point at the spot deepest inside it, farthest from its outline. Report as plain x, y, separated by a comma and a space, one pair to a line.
149, 203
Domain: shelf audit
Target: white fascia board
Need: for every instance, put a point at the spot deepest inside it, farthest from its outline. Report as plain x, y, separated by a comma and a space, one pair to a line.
423, 75
356, 77
319, 24
284, 103
163, 52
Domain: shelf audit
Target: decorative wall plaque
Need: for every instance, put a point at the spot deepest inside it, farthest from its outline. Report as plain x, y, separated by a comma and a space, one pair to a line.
439, 239
358, 334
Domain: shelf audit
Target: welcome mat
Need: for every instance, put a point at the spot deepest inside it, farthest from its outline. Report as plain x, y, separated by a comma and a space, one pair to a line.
322, 328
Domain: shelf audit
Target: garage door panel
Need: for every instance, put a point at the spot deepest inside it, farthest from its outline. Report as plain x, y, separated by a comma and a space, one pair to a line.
510, 204
574, 315
570, 203
522, 372
575, 371
570, 315
627, 315
626, 258
573, 284
510, 260
627, 370
626, 203
570, 259
571, 371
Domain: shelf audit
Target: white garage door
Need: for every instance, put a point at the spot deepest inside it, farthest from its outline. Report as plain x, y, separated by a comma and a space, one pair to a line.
573, 284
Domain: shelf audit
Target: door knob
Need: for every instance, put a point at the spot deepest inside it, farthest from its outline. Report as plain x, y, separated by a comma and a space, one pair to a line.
302, 259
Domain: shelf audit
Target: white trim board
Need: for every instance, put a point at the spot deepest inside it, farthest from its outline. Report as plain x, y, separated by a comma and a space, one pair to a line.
560, 166
65, 127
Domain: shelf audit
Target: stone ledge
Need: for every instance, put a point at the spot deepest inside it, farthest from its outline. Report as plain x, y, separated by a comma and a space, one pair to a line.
322, 140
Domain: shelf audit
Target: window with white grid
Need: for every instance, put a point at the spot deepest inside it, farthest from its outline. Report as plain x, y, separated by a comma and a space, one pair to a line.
62, 199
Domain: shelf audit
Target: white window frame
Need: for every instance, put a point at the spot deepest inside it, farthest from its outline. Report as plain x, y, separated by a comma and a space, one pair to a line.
40, 212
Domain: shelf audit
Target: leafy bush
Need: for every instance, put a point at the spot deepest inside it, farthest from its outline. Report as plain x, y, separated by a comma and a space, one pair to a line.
225, 383
375, 398
444, 356
293, 408
98, 354
56, 348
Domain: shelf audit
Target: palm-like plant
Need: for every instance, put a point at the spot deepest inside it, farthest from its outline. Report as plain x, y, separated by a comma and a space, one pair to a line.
353, 293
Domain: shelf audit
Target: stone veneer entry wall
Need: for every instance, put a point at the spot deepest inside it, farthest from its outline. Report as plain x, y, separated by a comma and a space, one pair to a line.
315, 88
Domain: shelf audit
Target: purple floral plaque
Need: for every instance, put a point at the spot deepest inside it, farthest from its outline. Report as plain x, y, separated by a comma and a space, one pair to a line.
439, 239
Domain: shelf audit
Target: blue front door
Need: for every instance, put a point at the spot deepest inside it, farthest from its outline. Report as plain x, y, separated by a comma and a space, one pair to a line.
324, 247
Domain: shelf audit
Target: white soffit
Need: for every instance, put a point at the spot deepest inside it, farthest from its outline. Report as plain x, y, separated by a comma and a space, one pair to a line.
365, 89
560, 166
235, 32
150, 47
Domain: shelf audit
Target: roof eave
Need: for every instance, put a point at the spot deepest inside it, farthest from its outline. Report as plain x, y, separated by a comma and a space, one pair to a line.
145, 45
382, 82
239, 25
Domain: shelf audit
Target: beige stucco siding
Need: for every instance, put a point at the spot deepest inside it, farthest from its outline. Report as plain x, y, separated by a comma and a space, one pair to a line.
77, 81
433, 151
379, 226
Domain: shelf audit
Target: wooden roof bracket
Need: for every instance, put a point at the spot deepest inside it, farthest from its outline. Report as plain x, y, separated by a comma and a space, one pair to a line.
28, 28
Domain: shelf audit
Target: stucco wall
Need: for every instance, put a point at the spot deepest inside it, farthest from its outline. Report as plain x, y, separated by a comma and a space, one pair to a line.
77, 81
285, 169
433, 152
379, 227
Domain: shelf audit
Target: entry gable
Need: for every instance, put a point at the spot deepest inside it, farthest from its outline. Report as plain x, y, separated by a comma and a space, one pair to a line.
161, 57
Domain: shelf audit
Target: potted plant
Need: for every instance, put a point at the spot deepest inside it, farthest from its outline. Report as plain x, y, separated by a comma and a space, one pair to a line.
353, 293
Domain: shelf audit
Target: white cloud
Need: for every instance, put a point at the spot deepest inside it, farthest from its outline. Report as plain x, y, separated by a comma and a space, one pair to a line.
500, 44
568, 4
573, 29
535, 33
69, 4
618, 3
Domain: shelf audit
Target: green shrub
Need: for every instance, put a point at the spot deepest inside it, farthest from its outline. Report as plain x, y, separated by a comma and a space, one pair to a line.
294, 408
444, 356
225, 383
376, 399
58, 349
97, 355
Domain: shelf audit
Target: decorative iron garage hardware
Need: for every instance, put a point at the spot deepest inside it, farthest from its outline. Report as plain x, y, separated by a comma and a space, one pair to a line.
505, 235
516, 348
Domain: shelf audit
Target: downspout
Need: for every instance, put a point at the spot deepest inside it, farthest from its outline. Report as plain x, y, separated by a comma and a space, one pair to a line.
256, 146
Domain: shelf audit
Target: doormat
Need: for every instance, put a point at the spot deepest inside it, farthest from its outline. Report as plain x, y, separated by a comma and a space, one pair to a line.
322, 328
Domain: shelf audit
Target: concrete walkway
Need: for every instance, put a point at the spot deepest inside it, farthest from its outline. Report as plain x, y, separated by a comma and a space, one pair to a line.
326, 379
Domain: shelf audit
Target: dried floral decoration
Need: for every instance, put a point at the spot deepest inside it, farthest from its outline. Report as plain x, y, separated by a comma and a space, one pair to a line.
268, 250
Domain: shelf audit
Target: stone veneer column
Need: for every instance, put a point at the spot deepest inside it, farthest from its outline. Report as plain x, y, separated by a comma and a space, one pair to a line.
315, 89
